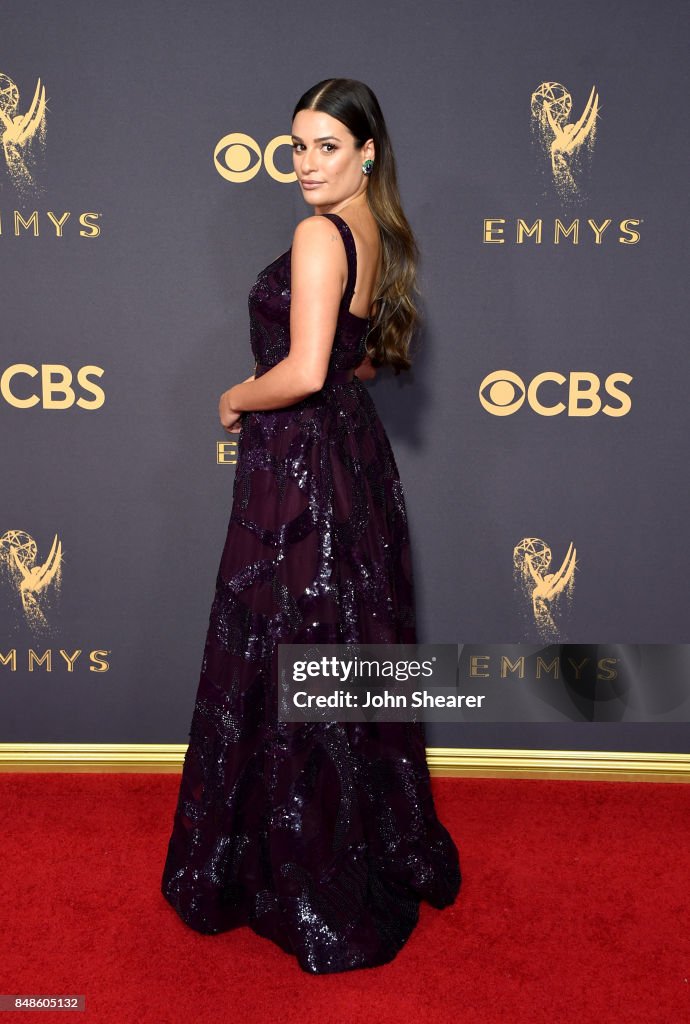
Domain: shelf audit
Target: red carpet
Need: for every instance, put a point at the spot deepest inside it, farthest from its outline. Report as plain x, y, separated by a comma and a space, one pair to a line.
574, 908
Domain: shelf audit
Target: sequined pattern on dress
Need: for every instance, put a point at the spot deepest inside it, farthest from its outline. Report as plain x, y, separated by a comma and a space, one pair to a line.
322, 837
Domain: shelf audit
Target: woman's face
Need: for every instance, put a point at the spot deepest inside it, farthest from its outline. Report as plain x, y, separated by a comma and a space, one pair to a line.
323, 152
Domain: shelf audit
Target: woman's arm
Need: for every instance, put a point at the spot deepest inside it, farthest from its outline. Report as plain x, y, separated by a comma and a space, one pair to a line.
318, 272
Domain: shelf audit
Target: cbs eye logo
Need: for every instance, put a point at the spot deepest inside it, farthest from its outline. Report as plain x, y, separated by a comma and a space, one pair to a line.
502, 393
238, 157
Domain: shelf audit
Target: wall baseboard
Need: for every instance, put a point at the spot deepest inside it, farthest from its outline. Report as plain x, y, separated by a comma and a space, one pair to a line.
460, 762
603, 765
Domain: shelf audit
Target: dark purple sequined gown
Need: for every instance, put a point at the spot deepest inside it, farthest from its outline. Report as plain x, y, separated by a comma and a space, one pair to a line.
322, 837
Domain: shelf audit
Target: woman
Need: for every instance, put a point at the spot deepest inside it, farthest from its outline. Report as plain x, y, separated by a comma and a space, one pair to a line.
322, 837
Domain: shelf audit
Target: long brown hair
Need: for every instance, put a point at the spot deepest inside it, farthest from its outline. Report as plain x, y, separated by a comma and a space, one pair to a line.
391, 331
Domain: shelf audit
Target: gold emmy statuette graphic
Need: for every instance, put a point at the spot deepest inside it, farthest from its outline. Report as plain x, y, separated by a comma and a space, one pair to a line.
19, 131
546, 590
563, 142
18, 551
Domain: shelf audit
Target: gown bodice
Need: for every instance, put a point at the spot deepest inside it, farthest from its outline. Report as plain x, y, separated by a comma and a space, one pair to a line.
269, 311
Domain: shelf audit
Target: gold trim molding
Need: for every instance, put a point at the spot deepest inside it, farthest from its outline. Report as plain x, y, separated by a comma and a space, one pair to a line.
458, 762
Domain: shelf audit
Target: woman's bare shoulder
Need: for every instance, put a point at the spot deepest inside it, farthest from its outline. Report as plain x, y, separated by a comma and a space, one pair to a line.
316, 237
315, 226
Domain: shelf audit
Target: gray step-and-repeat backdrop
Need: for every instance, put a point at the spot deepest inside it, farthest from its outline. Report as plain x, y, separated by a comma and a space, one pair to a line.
542, 437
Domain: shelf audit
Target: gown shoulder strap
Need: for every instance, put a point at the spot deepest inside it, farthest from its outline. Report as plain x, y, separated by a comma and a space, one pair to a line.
351, 253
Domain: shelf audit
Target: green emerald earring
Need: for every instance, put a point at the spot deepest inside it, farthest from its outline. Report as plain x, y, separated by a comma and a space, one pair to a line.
367, 166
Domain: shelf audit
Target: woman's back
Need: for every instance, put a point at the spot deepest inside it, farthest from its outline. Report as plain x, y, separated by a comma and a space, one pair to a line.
367, 240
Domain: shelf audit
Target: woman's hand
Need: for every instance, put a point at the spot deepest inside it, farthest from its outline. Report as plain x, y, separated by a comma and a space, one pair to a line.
365, 371
229, 417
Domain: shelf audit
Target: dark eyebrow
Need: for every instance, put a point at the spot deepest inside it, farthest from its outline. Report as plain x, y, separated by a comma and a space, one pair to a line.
324, 138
